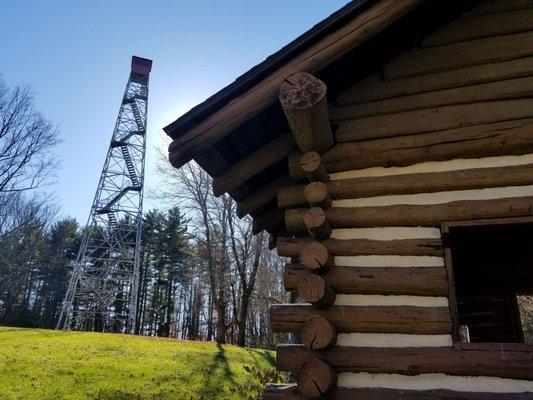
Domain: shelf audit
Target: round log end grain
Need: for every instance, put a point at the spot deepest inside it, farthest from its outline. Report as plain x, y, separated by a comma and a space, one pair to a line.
316, 257
316, 194
301, 91
310, 161
316, 378
317, 223
315, 290
318, 333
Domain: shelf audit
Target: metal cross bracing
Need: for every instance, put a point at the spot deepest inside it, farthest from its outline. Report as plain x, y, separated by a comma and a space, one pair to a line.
102, 294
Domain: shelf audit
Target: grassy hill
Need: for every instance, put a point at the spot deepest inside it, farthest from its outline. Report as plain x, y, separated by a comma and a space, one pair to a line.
47, 364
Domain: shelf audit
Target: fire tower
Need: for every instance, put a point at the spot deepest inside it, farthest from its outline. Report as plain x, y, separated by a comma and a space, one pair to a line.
102, 294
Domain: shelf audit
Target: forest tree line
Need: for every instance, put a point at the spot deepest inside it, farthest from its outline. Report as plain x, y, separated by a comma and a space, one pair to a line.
203, 275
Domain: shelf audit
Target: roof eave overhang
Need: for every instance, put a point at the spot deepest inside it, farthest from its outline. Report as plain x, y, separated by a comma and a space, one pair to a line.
212, 120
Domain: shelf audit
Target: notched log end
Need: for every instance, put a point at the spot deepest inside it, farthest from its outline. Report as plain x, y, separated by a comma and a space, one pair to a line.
301, 91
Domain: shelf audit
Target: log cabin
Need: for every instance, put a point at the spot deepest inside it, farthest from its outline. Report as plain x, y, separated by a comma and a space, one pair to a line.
388, 151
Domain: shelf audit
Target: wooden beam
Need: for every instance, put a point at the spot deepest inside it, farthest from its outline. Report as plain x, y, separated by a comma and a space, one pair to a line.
458, 55
287, 391
292, 247
416, 281
268, 221
430, 215
304, 102
414, 360
375, 88
294, 220
365, 319
432, 119
496, 6
481, 26
262, 196
493, 91
425, 182
259, 97
214, 163
505, 138
256, 162
416, 215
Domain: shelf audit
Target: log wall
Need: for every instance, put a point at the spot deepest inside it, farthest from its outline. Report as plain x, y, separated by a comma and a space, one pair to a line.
444, 132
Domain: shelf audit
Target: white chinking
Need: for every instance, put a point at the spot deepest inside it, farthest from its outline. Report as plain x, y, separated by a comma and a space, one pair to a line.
437, 166
393, 340
389, 261
374, 300
438, 197
386, 233
434, 381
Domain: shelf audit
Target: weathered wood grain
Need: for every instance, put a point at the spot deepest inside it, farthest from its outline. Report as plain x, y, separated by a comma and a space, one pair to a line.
504, 138
303, 99
429, 215
292, 247
518, 88
458, 55
416, 281
374, 88
414, 360
369, 319
432, 119
291, 196
481, 26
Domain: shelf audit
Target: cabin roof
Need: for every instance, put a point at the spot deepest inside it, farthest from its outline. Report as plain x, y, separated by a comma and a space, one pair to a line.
222, 133
263, 69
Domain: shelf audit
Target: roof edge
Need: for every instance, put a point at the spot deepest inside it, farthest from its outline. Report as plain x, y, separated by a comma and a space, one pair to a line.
257, 73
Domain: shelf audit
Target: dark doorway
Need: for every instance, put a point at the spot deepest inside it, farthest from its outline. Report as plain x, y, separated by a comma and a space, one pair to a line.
493, 274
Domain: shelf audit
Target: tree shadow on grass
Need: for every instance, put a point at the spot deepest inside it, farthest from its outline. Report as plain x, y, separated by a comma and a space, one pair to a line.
213, 379
267, 355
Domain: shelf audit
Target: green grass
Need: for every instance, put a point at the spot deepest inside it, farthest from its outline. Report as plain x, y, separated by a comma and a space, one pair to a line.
46, 364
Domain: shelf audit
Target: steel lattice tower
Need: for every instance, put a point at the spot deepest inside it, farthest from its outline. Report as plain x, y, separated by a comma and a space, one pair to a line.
102, 294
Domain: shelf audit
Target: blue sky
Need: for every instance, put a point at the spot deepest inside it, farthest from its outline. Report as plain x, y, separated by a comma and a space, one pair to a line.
76, 55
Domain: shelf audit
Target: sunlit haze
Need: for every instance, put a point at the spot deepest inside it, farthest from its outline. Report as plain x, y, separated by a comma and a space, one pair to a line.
77, 55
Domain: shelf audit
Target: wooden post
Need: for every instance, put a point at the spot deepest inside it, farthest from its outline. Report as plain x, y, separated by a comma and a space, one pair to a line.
315, 290
312, 166
315, 378
317, 223
316, 257
318, 333
303, 98
316, 194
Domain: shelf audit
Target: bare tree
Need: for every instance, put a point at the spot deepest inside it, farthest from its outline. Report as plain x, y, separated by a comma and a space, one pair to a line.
228, 255
27, 162
247, 251
26, 141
